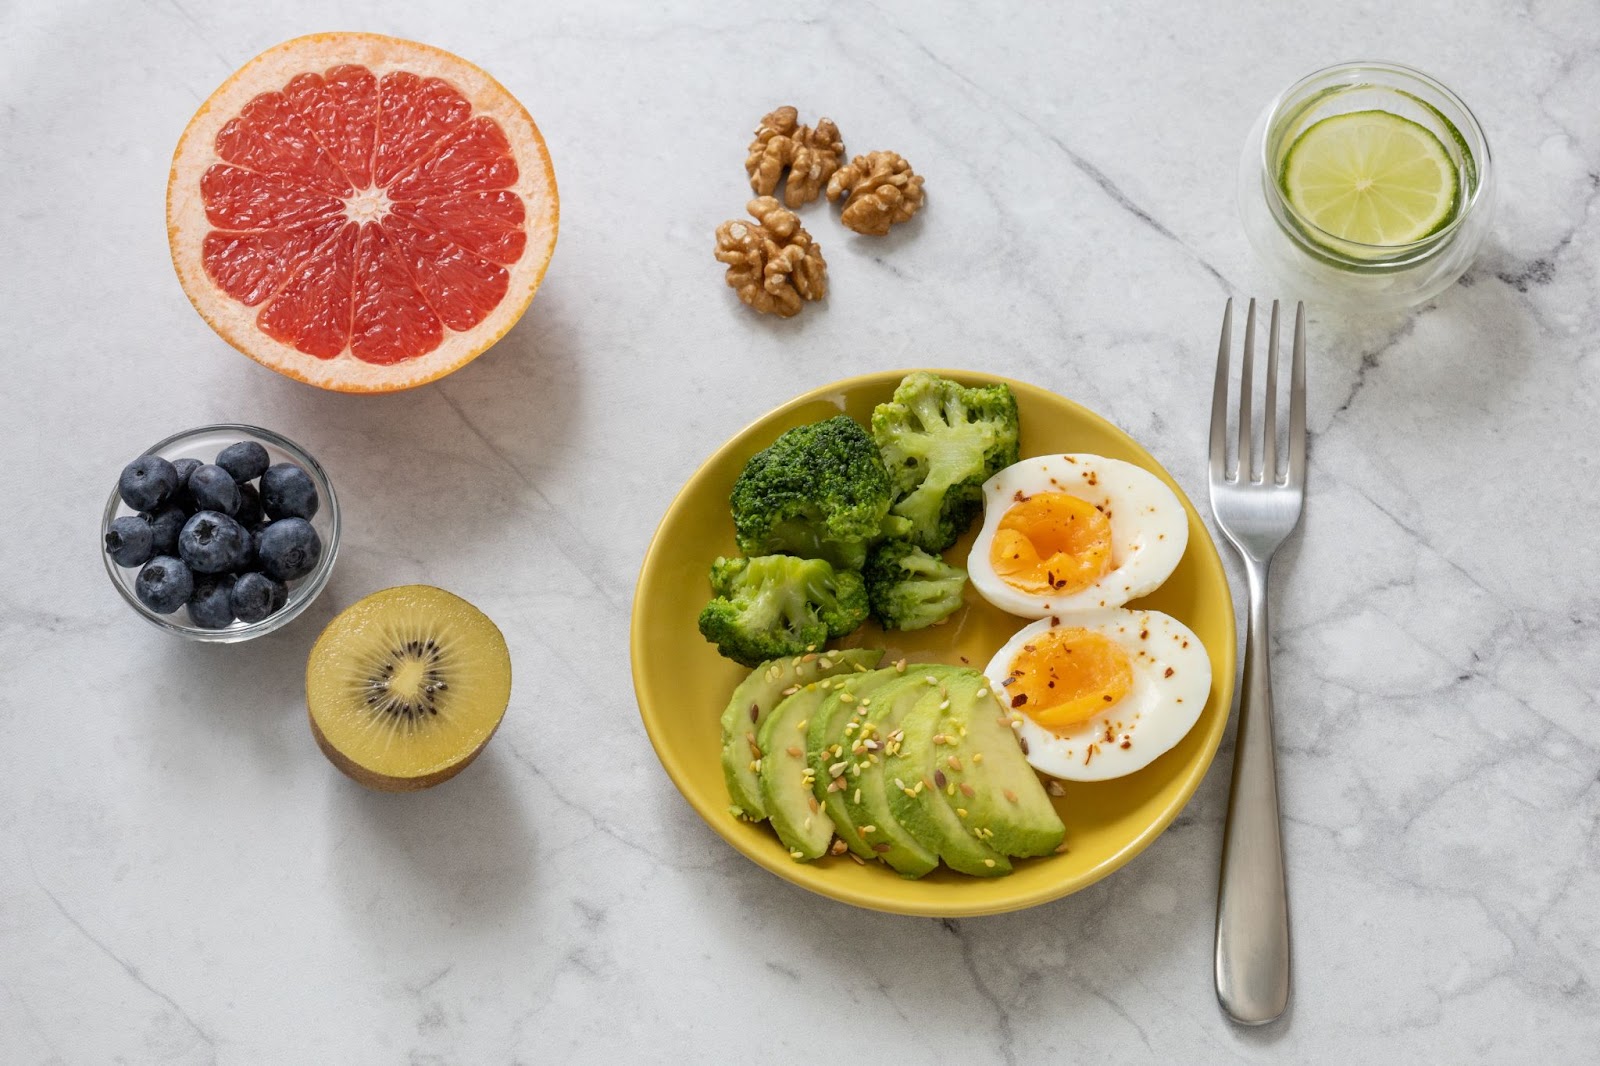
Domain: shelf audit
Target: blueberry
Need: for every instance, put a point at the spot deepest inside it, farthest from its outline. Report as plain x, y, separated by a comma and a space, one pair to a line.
213, 489
211, 603
287, 492
164, 584
246, 460
288, 548
128, 541
244, 557
181, 498
165, 525
184, 467
257, 595
147, 483
212, 543
249, 513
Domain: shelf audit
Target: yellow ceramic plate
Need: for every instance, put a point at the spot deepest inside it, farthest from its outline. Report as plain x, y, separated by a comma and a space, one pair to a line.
683, 684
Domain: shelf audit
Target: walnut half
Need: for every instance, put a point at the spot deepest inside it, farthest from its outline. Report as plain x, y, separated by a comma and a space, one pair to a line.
880, 188
773, 264
810, 156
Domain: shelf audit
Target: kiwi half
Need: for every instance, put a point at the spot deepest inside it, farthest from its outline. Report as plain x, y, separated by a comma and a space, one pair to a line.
405, 687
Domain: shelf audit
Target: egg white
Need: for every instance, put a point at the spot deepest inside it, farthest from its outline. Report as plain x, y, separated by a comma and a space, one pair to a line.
1149, 530
1171, 683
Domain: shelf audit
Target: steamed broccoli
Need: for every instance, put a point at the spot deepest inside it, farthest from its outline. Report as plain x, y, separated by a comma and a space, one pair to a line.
910, 589
777, 605
940, 441
819, 491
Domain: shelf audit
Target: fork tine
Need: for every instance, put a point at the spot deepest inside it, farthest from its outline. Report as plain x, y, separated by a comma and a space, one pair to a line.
1297, 401
1246, 461
1219, 400
1269, 438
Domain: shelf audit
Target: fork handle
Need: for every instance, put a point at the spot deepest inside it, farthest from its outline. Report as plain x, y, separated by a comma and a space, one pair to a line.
1252, 950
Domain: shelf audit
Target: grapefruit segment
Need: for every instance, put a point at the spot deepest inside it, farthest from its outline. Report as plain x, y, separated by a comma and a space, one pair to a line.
239, 199
462, 288
341, 109
251, 265
391, 320
489, 224
269, 137
311, 313
415, 114
473, 157
361, 213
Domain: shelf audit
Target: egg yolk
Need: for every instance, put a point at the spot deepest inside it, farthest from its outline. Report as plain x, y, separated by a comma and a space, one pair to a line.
1066, 676
1051, 542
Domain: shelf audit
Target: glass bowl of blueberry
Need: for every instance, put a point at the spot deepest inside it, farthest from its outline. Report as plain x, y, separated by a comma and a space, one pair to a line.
222, 533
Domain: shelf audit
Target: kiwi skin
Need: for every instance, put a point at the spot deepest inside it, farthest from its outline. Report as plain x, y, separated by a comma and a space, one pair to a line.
385, 783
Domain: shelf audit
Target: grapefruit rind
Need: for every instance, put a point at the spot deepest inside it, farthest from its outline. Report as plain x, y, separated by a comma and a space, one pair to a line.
235, 322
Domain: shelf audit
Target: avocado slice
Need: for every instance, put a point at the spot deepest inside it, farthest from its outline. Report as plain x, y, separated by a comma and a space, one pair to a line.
755, 697
795, 812
824, 745
932, 806
866, 788
993, 781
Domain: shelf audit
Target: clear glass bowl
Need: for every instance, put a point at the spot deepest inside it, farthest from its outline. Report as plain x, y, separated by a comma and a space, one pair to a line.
204, 443
1319, 267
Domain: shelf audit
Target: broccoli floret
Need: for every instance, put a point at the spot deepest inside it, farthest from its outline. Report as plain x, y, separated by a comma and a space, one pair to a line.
819, 491
777, 605
910, 589
940, 441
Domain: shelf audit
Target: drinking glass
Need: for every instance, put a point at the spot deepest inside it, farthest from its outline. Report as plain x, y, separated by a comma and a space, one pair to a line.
1320, 267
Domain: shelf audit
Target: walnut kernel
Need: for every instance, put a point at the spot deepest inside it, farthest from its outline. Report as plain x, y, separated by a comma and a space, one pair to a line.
773, 264
810, 155
881, 189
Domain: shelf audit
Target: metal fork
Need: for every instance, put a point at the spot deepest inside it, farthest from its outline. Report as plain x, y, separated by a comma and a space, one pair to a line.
1256, 509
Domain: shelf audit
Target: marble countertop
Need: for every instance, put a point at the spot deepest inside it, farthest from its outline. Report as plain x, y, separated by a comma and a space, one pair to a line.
184, 878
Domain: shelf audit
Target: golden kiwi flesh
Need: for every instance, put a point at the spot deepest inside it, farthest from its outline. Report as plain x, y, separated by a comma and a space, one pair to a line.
405, 687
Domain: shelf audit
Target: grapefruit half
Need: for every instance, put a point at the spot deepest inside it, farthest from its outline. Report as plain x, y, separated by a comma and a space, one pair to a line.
361, 213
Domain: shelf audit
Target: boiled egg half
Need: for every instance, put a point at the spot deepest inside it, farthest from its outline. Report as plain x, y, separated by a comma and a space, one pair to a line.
1099, 694
1072, 532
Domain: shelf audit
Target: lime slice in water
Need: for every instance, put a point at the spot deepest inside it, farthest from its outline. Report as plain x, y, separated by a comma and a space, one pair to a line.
1371, 178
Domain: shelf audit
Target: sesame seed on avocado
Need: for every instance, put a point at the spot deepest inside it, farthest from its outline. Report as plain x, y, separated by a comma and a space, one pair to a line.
755, 697
938, 813
792, 807
1007, 802
870, 790
825, 745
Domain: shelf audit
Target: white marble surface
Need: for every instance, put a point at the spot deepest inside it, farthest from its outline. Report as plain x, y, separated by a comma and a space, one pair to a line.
184, 879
